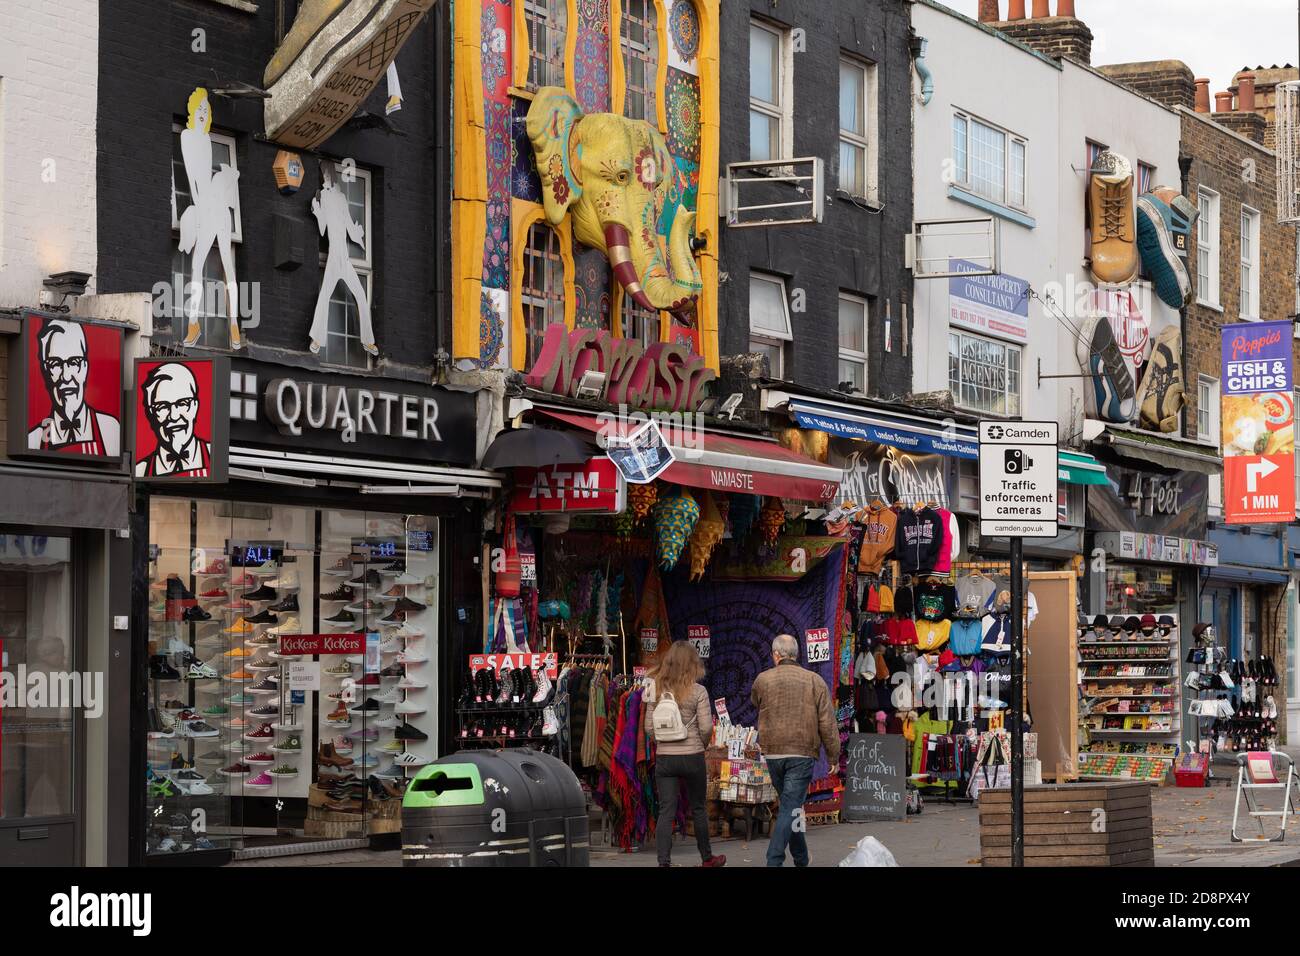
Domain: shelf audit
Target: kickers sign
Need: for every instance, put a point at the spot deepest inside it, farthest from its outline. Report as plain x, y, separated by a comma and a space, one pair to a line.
1258, 416
595, 488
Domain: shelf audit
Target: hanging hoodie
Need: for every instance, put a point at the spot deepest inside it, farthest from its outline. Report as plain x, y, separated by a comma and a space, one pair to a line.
877, 539
918, 540
951, 545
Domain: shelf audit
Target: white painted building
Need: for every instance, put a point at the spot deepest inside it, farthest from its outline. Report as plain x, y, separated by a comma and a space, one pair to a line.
49, 65
1007, 133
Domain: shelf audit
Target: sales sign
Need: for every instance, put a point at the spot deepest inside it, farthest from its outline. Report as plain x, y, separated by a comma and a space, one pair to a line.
700, 638
1018, 477
818, 641
594, 487
294, 645
505, 662
649, 640
1257, 411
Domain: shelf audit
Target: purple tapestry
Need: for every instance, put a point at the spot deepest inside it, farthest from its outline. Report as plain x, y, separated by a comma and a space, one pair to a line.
743, 617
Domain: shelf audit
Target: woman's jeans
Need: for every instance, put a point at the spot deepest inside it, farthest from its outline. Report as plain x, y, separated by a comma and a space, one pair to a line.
672, 772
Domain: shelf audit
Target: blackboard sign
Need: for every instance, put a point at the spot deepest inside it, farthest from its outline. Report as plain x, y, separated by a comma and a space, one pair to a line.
876, 784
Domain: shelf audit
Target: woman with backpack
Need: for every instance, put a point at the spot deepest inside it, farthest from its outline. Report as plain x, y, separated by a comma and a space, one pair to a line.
678, 717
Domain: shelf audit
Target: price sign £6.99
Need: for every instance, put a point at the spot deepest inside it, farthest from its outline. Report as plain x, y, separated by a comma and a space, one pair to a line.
818, 641
700, 638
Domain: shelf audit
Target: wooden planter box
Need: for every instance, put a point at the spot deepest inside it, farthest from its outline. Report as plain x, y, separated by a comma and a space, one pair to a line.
1063, 827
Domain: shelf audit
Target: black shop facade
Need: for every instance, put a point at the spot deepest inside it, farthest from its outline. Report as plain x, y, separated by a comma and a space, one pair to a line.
305, 543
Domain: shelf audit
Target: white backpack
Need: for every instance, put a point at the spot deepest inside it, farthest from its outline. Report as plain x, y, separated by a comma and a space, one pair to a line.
667, 721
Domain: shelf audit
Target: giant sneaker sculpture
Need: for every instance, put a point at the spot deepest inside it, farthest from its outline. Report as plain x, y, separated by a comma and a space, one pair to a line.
328, 63
1164, 223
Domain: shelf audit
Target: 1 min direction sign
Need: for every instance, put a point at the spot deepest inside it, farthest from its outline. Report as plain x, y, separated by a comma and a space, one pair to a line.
1018, 479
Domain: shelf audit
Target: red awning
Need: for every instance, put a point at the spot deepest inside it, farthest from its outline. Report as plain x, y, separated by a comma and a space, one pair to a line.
720, 462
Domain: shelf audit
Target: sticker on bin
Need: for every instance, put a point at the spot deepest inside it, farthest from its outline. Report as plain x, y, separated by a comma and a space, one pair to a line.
504, 662
819, 645
699, 636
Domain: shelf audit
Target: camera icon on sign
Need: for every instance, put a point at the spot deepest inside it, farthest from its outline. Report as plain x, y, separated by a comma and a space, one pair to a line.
1014, 461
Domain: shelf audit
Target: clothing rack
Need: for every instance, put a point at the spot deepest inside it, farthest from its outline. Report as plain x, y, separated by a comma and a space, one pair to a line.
580, 660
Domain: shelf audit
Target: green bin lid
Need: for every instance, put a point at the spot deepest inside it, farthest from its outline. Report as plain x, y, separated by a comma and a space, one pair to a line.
445, 785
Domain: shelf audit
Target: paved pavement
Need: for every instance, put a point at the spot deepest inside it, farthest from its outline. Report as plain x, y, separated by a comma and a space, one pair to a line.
1191, 830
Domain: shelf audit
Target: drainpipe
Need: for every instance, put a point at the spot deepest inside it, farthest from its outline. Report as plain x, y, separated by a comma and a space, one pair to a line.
917, 47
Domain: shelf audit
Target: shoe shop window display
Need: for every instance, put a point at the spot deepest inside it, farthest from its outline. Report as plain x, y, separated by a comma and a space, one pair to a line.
229, 741
1134, 361
1234, 708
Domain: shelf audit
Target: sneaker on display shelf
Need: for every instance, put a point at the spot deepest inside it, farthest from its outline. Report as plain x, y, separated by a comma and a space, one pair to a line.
340, 568
261, 781
264, 593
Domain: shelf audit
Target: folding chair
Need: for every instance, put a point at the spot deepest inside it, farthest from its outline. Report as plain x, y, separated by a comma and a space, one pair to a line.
1259, 770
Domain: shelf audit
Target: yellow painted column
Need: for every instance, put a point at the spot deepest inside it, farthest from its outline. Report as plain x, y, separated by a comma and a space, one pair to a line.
469, 181
706, 222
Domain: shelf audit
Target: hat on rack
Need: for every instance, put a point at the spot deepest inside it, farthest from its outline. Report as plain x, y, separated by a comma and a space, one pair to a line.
1198, 630
903, 604
1117, 622
1132, 624
872, 604
1101, 623
1166, 622
1148, 622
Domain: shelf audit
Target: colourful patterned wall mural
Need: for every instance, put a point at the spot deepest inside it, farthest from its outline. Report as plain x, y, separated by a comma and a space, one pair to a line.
495, 169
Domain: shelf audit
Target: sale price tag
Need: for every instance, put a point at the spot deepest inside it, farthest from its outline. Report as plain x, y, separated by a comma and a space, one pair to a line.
819, 645
699, 636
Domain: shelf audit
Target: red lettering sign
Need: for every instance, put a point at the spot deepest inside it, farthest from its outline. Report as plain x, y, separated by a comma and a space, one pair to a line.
594, 487
294, 644
504, 662
659, 376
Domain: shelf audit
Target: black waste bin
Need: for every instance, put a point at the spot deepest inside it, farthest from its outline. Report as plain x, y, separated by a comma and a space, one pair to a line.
495, 808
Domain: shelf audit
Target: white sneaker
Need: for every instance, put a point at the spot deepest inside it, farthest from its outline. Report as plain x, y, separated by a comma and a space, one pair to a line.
543, 687
288, 581
408, 759
550, 725
407, 579
394, 696
408, 633
410, 683
288, 626
407, 707
390, 646
265, 570
412, 657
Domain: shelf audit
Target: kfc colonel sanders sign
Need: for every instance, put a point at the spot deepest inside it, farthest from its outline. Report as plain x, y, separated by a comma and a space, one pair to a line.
180, 424
66, 391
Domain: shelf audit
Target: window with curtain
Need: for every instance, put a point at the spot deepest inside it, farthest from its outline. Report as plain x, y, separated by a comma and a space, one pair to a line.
769, 320
640, 41
857, 132
542, 287
853, 343
769, 103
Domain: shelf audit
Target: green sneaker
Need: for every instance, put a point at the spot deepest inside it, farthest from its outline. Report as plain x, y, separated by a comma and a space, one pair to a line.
393, 747
291, 745
216, 710
284, 770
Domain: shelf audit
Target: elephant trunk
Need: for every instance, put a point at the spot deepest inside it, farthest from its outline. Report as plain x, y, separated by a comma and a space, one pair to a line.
641, 270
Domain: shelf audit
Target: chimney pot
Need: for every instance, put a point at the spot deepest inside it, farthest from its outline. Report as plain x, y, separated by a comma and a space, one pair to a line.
1246, 92
1016, 9
1203, 95
1223, 102
989, 11
1041, 9
1065, 8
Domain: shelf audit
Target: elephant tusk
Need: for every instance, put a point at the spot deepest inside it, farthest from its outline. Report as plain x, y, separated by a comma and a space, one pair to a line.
620, 258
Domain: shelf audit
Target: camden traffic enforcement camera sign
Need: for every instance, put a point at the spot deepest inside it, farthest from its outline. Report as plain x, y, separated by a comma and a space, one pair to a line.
1018, 479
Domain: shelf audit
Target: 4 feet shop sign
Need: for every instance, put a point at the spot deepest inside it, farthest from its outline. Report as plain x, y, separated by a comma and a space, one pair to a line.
1258, 416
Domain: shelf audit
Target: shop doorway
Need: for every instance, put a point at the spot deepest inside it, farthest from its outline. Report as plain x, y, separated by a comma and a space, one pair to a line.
1219, 609
40, 708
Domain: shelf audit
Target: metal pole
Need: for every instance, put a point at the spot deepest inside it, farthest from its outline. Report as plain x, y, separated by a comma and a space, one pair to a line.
1017, 703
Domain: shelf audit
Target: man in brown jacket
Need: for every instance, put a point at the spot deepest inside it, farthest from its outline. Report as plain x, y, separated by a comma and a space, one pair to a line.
795, 720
